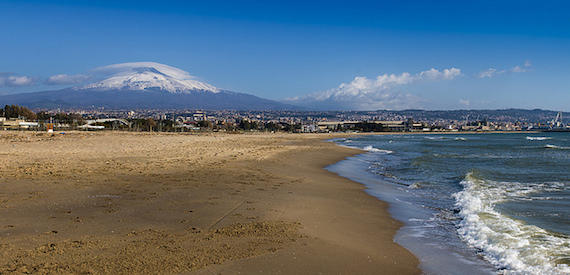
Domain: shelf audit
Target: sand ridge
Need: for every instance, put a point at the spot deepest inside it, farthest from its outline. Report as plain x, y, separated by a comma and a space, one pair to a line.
122, 202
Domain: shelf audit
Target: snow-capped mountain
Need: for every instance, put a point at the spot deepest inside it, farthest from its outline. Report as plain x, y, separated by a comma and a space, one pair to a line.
148, 76
143, 85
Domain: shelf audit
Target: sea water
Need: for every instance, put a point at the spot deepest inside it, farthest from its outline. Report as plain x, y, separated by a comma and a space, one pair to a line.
473, 203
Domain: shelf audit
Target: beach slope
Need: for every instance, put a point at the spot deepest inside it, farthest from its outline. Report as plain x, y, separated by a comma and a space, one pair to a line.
111, 202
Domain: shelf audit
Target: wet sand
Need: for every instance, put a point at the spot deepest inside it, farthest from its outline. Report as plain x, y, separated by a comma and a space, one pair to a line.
120, 202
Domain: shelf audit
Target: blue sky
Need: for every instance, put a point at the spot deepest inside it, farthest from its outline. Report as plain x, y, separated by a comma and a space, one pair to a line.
343, 54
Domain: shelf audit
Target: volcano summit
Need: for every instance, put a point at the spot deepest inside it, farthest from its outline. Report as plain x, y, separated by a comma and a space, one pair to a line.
143, 85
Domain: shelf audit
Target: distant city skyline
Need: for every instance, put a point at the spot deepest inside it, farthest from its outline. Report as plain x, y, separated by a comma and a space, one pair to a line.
357, 55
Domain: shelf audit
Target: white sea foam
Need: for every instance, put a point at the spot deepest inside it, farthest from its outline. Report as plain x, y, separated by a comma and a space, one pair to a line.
416, 185
550, 146
435, 138
368, 148
509, 244
372, 149
460, 138
538, 138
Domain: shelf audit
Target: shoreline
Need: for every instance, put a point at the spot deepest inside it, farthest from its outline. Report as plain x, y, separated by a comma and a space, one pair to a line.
353, 247
429, 233
195, 204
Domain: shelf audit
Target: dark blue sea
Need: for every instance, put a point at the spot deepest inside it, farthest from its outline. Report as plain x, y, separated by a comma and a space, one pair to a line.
493, 203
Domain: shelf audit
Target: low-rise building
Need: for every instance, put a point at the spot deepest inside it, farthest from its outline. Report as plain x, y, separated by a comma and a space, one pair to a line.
16, 124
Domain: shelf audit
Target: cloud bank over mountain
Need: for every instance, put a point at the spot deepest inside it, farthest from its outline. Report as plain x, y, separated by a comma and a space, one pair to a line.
128, 68
363, 93
64, 79
146, 76
140, 85
11, 80
117, 70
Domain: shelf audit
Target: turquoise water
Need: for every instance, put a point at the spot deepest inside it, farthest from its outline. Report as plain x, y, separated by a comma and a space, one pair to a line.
473, 203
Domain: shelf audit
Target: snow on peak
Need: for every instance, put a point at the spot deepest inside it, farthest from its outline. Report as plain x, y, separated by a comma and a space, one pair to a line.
147, 76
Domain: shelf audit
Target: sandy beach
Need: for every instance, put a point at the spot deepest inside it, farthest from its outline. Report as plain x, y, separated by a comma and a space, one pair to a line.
148, 203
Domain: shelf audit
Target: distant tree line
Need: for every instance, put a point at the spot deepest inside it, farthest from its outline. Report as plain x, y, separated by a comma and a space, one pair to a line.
246, 125
148, 124
364, 126
71, 118
15, 111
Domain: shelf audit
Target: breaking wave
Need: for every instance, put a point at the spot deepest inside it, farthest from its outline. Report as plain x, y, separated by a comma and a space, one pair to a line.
511, 245
372, 149
550, 146
538, 138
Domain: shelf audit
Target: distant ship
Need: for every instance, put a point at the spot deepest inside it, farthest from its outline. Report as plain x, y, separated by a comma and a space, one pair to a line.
556, 125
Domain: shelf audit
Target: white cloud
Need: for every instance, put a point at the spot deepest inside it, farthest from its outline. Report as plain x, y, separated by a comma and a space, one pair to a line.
63, 79
489, 73
519, 69
367, 94
474, 103
126, 68
436, 75
9, 80
527, 63
492, 72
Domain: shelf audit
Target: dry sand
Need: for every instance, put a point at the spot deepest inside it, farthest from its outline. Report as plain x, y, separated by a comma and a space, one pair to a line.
140, 203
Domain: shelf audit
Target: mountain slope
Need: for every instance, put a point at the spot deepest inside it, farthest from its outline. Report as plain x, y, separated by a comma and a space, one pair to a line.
144, 85
137, 99
147, 76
